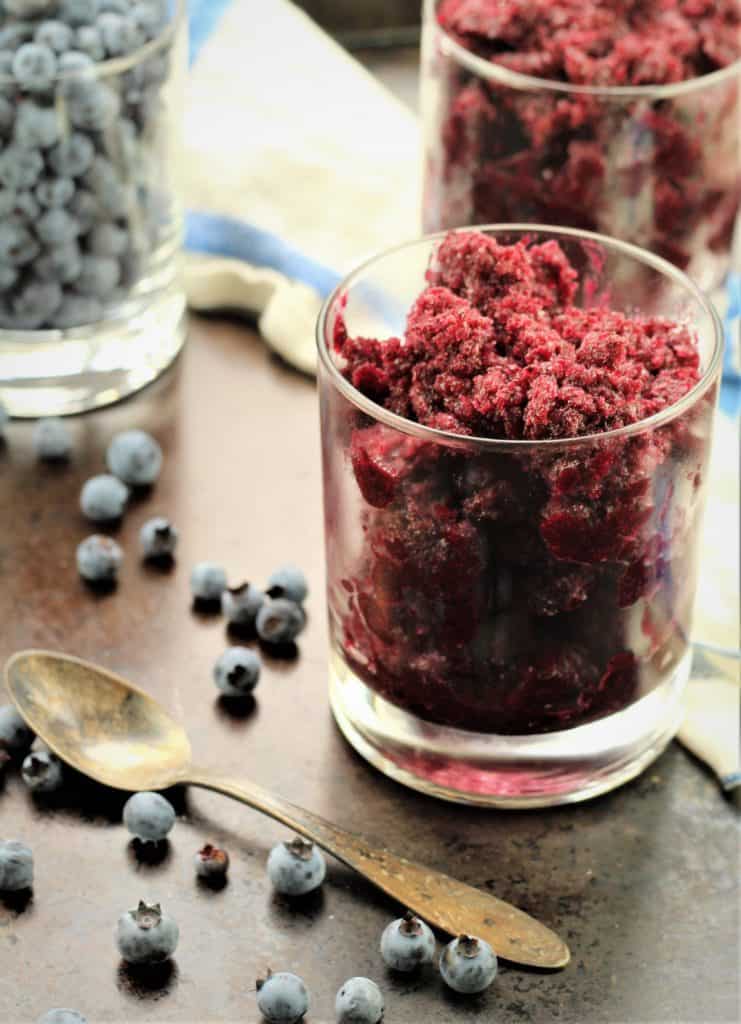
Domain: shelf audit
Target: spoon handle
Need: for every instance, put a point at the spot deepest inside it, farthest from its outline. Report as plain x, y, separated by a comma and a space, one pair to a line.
442, 901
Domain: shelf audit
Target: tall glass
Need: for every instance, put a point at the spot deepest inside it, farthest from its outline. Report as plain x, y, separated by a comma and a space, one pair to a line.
510, 620
658, 166
91, 306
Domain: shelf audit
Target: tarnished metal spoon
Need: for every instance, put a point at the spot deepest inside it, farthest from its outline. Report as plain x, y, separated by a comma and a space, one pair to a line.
118, 735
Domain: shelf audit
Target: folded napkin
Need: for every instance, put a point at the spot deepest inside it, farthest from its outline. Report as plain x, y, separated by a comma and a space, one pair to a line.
297, 164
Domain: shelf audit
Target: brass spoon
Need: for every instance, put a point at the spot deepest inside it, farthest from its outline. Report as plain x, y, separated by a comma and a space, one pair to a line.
118, 735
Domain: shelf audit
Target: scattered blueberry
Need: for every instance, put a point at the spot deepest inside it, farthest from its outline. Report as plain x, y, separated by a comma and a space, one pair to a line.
241, 604
406, 943
148, 816
468, 965
42, 771
146, 935
34, 67
282, 998
237, 671
288, 582
207, 581
359, 1001
62, 1017
52, 440
15, 736
16, 866
296, 868
103, 498
158, 538
99, 558
280, 621
211, 863
134, 457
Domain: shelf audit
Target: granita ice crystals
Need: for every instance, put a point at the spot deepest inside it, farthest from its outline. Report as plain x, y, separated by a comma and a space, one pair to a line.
661, 169
525, 590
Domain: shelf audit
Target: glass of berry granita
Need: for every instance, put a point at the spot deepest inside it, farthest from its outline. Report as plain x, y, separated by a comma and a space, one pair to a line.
618, 116
515, 453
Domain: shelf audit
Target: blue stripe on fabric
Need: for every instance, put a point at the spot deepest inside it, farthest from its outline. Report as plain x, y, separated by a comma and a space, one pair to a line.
202, 18
730, 392
225, 236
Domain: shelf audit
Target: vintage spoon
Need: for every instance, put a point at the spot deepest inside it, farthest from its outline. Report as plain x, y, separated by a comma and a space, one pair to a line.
118, 735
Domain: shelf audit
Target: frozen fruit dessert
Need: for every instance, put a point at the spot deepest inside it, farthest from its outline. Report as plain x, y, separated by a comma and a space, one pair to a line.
659, 167
519, 587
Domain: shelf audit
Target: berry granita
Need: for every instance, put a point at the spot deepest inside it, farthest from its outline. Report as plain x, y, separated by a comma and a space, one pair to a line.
521, 125
527, 565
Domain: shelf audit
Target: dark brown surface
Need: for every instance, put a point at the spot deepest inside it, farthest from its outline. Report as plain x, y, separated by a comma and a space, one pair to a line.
641, 883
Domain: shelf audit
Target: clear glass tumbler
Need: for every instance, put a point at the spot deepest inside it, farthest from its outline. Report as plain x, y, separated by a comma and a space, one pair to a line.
510, 620
658, 166
91, 307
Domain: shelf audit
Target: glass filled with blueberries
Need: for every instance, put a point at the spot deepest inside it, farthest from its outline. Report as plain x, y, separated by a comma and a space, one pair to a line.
90, 224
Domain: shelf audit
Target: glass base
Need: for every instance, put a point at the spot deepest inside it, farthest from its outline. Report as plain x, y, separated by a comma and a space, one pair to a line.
55, 373
506, 771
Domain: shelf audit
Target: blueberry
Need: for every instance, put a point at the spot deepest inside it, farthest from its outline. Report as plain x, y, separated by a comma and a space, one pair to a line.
34, 67
92, 105
282, 998
280, 621
11, 37
120, 34
76, 61
42, 771
296, 868
72, 157
7, 113
237, 671
16, 866
99, 558
54, 34
15, 736
7, 201
468, 965
77, 310
148, 816
52, 440
98, 276
38, 300
158, 538
87, 40
19, 167
108, 240
146, 935
241, 604
207, 581
28, 8
78, 12
27, 206
86, 209
57, 227
406, 943
103, 180
149, 18
35, 127
8, 277
59, 263
103, 498
211, 863
61, 1017
13, 238
359, 1001
289, 582
134, 457
114, 6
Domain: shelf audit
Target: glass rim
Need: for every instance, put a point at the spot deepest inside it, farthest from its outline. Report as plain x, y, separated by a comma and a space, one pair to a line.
518, 80
117, 65
512, 445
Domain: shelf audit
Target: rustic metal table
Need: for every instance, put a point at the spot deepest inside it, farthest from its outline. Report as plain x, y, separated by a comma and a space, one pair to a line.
641, 883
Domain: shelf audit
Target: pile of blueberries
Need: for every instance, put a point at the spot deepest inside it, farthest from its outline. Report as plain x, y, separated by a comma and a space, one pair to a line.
80, 208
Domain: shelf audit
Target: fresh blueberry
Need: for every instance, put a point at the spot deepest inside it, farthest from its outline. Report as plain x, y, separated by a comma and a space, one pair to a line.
37, 301
57, 227
120, 34
59, 263
98, 275
15, 242
108, 240
103, 498
211, 863
86, 209
280, 621
8, 277
359, 1001
28, 8
54, 34
207, 581
87, 40
15, 736
237, 671
99, 558
296, 868
42, 771
16, 866
11, 37
35, 127
406, 943
158, 538
34, 67
289, 582
146, 935
241, 604
7, 201
77, 310
27, 206
78, 12
148, 816
52, 439
114, 6
72, 157
468, 965
92, 104
55, 191
282, 998
149, 18
19, 167
62, 1017
134, 457
103, 180
75, 61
